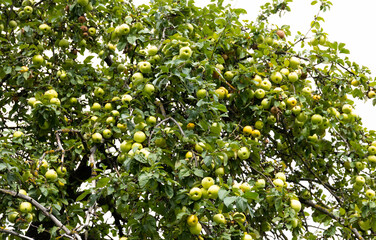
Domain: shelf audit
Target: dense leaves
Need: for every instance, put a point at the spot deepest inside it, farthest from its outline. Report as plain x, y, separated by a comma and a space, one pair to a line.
170, 121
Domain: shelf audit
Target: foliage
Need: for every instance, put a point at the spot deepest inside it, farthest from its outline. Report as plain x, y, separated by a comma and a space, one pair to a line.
242, 102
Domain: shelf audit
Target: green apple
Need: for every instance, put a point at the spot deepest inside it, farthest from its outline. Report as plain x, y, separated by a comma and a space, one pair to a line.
246, 236
195, 193
63, 43
372, 150
266, 84
97, 138
244, 153
294, 222
110, 120
284, 71
152, 50
151, 120
219, 218
123, 29
185, 53
55, 101
257, 80
61, 171
265, 103
37, 60
120, 68
317, 119
192, 220
145, 67
359, 180
50, 94
347, 108
371, 94
260, 183
278, 183
294, 62
83, 2
280, 175
256, 133
213, 191
17, 134
12, 24
51, 175
296, 205
44, 28
31, 101
199, 147
98, 92
220, 171
260, 93
108, 107
276, 77
259, 125
307, 91
370, 193
25, 207
107, 133
125, 146
149, 89
296, 110
293, 77
207, 182
137, 78
196, 229
139, 137
160, 142
372, 159
126, 98
12, 217
239, 217
201, 93
245, 187
229, 75
92, 31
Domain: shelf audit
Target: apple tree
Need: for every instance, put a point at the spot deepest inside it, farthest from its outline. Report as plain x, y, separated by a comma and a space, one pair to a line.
170, 121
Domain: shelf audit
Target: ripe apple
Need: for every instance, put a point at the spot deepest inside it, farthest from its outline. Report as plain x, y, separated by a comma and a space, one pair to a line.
266, 84
371, 94
316, 119
247, 130
37, 60
61, 171
256, 133
149, 89
280, 33
293, 77
244, 153
145, 67
189, 155
51, 175
246, 236
96, 137
229, 75
25, 207
195, 193
31, 101
291, 102
347, 108
192, 220
294, 62
276, 77
17, 134
185, 53
260, 93
296, 205
359, 180
207, 182
196, 229
265, 103
260, 183
219, 218
221, 93
213, 191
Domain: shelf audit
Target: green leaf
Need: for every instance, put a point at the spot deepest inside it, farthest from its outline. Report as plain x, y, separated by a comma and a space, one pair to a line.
229, 200
83, 195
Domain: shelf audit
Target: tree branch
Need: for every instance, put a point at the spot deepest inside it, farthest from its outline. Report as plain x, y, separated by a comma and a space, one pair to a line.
15, 234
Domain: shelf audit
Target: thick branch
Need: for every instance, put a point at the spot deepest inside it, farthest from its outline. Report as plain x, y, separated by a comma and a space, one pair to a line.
15, 234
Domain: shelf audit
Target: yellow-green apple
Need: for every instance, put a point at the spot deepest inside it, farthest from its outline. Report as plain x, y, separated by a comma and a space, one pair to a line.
294, 62
316, 119
196, 229
296, 205
370, 193
207, 182
244, 153
213, 191
61, 171
219, 218
281, 175
276, 77
25, 207
195, 193
139, 136
96, 137
260, 93
51, 175
145, 67
192, 220
185, 53
260, 183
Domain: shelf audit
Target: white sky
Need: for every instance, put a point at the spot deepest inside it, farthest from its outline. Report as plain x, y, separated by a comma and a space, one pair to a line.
348, 22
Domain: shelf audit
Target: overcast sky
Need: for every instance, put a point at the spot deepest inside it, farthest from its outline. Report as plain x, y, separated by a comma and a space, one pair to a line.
348, 22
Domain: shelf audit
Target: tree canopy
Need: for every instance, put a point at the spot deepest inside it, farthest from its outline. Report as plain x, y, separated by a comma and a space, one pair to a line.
171, 121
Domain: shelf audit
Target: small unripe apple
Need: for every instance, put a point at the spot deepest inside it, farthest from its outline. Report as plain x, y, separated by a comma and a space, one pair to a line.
213, 191
207, 182
195, 193
51, 175
185, 53
145, 67
25, 207
260, 183
97, 137
139, 137
281, 175
107, 133
296, 205
196, 229
360, 180
244, 153
219, 218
